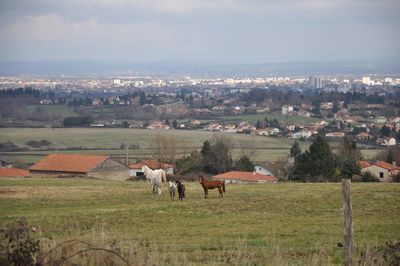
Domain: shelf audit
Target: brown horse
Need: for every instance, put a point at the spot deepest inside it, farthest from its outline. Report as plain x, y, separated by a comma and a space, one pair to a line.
211, 184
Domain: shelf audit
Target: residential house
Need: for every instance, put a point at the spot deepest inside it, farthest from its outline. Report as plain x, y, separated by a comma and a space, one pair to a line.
301, 134
245, 177
214, 127
382, 170
286, 109
230, 128
262, 132
158, 125
272, 130
380, 120
336, 134
388, 141
363, 136
97, 166
246, 126
268, 168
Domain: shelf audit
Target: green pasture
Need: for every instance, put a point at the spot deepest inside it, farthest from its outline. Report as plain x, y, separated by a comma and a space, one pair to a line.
254, 224
108, 140
59, 110
261, 117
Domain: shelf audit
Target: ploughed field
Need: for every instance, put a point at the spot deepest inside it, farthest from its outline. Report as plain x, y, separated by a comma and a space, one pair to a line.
260, 224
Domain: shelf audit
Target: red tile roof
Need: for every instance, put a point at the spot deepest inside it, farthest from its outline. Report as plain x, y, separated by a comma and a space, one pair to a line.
76, 163
13, 172
363, 134
387, 166
363, 164
246, 176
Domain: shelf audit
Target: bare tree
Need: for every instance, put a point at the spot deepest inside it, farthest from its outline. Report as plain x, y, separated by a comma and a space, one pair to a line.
165, 148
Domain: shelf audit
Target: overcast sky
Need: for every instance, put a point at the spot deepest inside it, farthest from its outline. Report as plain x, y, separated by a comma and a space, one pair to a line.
212, 31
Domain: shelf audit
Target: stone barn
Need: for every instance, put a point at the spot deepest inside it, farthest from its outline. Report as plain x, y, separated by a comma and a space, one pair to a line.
68, 165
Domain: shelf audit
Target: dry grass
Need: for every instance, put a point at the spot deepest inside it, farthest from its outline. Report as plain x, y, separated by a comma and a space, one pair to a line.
273, 224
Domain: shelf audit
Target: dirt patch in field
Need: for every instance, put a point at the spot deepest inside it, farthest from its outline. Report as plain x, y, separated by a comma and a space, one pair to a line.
5, 192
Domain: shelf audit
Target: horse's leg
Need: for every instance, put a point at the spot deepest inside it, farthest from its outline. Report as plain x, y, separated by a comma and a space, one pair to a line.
220, 192
205, 193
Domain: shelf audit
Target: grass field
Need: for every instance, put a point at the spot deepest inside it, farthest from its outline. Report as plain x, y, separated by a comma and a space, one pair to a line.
270, 224
258, 148
108, 140
60, 110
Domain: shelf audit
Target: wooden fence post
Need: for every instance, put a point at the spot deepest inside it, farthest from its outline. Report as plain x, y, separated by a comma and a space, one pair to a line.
348, 222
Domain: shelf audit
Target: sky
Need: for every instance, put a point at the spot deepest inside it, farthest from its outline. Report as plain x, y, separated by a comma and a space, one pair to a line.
209, 31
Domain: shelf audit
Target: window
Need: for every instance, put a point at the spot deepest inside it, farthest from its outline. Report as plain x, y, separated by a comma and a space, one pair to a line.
381, 175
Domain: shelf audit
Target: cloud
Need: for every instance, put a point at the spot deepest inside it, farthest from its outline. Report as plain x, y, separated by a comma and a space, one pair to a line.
213, 30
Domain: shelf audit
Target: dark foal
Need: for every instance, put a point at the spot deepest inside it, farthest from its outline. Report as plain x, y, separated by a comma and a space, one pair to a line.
211, 184
181, 190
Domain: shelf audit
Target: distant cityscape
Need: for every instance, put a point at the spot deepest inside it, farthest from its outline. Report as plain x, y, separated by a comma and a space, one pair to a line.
366, 107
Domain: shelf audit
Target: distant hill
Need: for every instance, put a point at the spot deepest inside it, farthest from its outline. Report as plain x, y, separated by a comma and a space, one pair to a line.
195, 69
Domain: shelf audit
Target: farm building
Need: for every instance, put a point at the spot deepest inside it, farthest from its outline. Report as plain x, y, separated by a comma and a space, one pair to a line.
135, 169
245, 177
268, 168
96, 166
13, 172
380, 169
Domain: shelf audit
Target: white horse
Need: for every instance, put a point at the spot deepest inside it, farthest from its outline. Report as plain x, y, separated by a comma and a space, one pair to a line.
155, 178
172, 188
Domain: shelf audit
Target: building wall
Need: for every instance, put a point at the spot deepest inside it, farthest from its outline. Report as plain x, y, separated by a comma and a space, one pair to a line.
109, 165
376, 171
263, 171
135, 172
56, 174
110, 175
109, 169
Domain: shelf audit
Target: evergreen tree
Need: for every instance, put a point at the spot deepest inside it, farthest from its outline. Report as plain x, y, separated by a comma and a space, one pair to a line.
175, 124
349, 167
389, 157
142, 98
244, 164
317, 161
217, 157
295, 150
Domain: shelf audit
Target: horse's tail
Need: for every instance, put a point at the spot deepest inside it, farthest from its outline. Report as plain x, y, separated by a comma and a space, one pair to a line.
223, 186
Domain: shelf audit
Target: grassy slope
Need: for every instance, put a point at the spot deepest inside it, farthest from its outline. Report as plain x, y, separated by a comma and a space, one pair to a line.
258, 148
61, 110
112, 138
297, 219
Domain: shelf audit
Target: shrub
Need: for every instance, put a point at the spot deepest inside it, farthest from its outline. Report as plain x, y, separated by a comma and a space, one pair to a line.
21, 248
368, 177
37, 144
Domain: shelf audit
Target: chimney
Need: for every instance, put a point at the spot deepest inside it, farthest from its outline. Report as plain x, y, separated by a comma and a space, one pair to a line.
394, 163
254, 172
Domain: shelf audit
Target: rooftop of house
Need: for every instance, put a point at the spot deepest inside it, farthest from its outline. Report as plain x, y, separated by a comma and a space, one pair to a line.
13, 172
246, 176
77, 163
